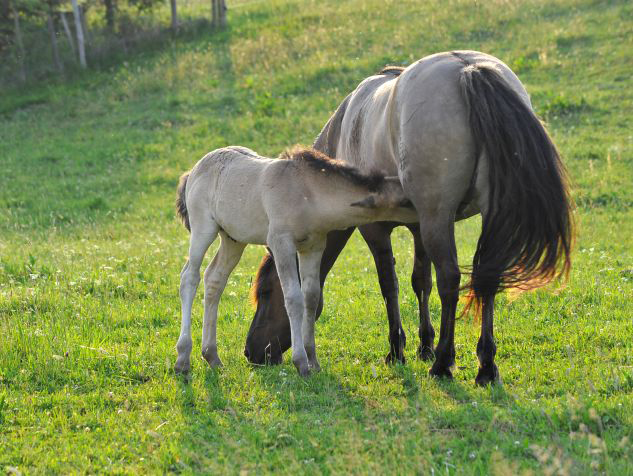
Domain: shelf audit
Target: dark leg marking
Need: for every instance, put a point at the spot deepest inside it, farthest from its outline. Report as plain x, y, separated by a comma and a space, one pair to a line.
486, 347
378, 238
422, 283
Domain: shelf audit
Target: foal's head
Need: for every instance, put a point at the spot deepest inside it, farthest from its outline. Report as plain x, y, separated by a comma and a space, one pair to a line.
379, 191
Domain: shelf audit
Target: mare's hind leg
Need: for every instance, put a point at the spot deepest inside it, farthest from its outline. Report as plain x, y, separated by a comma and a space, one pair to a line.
284, 252
215, 277
422, 282
486, 347
378, 238
201, 239
439, 241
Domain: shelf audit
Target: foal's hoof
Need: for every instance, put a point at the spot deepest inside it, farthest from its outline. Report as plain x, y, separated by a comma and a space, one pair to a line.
315, 366
441, 372
182, 367
392, 358
210, 354
303, 367
303, 371
213, 361
425, 353
488, 374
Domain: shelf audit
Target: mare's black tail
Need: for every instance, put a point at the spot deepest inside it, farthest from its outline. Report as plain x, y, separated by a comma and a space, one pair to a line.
527, 232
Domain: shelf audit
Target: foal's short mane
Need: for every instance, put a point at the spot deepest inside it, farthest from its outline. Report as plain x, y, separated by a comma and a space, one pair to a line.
394, 70
319, 161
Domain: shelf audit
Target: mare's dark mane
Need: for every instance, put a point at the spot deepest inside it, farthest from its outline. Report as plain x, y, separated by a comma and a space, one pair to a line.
317, 160
261, 284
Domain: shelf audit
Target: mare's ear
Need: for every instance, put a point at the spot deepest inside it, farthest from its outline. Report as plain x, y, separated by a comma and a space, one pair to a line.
367, 202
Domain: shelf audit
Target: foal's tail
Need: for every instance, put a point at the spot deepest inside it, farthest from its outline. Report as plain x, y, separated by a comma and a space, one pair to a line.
527, 232
181, 204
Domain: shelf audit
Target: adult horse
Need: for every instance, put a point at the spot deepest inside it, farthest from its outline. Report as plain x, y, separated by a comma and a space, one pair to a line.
459, 131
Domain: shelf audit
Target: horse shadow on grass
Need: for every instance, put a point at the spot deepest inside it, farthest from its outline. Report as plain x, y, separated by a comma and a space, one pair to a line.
274, 419
274, 416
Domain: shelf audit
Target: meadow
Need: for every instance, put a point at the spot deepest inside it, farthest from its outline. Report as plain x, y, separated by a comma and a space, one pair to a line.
90, 255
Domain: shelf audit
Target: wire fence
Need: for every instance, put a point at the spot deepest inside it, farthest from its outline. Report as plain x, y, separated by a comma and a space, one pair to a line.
48, 46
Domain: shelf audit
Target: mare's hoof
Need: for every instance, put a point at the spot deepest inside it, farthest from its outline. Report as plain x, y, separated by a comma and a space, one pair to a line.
426, 353
274, 360
392, 358
488, 374
182, 367
441, 372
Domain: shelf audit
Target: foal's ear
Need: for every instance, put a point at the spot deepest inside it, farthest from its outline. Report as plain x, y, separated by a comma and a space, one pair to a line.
367, 202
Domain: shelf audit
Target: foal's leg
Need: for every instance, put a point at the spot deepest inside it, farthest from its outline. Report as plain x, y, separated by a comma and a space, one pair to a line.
311, 288
201, 239
284, 252
422, 282
215, 277
378, 238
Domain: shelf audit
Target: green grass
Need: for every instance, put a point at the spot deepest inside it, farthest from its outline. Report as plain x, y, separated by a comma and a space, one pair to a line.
90, 254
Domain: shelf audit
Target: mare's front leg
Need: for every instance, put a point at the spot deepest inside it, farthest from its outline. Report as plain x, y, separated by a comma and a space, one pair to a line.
201, 239
215, 277
378, 238
284, 251
422, 283
311, 288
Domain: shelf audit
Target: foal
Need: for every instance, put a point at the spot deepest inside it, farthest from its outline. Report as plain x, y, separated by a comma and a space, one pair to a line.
289, 205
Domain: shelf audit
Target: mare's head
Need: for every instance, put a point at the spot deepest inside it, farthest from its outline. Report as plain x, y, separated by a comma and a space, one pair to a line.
269, 335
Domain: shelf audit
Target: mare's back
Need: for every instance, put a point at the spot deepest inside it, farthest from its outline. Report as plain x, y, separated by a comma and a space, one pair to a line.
363, 129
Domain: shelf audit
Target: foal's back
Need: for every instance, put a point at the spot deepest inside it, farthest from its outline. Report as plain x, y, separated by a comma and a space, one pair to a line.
226, 186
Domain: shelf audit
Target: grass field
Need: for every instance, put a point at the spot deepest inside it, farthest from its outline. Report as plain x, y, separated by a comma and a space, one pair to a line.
90, 254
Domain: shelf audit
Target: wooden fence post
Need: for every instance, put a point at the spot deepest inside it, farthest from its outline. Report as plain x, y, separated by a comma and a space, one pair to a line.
68, 34
51, 31
218, 9
19, 42
174, 15
80, 34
